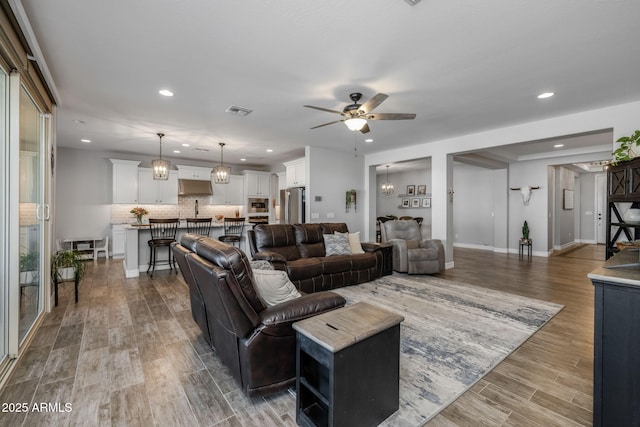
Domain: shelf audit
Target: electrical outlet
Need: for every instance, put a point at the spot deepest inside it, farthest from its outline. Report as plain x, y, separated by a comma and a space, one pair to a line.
315, 215
331, 215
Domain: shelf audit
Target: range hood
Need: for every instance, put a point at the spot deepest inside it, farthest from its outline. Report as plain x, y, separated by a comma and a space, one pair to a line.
194, 187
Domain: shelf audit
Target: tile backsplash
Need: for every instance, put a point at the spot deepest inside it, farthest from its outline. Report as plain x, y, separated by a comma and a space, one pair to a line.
120, 214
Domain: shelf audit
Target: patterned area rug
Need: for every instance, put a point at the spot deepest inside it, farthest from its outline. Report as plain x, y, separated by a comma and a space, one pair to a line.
453, 334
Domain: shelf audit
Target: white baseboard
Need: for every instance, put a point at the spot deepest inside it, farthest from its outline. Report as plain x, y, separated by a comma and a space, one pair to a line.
473, 246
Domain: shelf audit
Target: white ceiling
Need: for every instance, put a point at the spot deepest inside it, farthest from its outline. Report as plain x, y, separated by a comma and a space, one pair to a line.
461, 66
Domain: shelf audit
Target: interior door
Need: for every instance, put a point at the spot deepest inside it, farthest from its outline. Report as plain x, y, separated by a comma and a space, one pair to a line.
601, 208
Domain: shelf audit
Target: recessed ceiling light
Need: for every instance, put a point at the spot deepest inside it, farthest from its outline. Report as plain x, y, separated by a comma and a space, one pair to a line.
185, 145
368, 140
546, 95
558, 146
165, 92
85, 140
80, 122
243, 160
269, 150
176, 151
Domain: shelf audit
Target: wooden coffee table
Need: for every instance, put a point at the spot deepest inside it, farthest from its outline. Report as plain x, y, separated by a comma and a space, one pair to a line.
348, 364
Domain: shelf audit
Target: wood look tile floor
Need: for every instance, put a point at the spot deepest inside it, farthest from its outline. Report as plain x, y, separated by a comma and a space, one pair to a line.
129, 354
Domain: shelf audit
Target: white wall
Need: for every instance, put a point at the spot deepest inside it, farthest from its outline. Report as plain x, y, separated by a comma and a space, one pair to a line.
83, 194
330, 175
480, 208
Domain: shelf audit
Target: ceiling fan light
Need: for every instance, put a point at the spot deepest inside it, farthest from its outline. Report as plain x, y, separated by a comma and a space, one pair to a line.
355, 123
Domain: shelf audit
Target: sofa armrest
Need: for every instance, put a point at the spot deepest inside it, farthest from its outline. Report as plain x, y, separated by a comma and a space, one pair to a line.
431, 244
269, 256
370, 246
301, 308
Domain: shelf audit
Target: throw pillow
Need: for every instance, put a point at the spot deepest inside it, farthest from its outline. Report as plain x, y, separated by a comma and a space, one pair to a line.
336, 244
261, 264
354, 243
274, 287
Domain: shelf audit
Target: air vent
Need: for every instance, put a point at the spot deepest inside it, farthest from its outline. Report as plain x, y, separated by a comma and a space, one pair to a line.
240, 111
200, 149
412, 2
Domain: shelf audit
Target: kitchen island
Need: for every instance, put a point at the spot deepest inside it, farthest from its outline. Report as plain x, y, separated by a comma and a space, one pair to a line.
136, 249
616, 376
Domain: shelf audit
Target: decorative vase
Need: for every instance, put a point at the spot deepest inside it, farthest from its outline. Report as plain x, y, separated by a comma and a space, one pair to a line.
139, 218
632, 215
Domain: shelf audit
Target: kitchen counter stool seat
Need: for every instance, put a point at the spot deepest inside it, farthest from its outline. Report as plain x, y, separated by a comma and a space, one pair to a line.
232, 230
163, 233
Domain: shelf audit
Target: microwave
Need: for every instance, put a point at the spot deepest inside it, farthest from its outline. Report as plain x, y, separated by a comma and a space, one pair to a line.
258, 205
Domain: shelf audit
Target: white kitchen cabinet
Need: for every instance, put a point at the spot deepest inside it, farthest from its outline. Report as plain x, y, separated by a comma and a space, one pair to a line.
229, 194
257, 183
125, 181
296, 173
194, 172
157, 191
118, 240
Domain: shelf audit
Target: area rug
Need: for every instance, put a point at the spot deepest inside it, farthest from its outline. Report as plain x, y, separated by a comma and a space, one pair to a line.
453, 334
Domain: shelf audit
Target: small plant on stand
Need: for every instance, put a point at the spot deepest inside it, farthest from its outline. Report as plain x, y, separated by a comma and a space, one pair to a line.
66, 266
139, 212
525, 231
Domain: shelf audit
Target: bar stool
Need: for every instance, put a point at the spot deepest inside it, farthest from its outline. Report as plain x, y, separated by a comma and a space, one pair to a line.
163, 233
232, 230
200, 226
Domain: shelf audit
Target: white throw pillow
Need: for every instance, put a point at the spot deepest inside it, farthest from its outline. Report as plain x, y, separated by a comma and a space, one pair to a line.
274, 287
336, 244
354, 243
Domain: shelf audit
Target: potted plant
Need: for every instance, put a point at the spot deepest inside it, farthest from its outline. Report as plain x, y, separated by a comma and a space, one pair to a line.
29, 267
67, 265
626, 150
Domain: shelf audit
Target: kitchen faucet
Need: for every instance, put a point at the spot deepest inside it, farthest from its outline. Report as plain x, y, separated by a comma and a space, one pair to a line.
196, 213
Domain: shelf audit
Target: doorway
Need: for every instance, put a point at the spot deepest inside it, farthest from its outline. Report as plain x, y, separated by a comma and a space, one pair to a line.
601, 208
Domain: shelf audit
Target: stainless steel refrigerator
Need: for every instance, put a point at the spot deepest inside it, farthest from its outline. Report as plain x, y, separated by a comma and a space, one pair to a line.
292, 205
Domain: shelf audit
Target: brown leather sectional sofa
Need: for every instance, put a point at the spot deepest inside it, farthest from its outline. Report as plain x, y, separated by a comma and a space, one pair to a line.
299, 250
255, 342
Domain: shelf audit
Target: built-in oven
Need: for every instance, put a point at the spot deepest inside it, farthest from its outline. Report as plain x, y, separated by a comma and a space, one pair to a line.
258, 219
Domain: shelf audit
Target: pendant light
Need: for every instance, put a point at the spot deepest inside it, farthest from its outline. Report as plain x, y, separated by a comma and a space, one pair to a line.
221, 173
160, 166
387, 187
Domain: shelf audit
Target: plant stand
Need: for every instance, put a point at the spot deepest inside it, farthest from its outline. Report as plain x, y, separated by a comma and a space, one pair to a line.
528, 243
76, 282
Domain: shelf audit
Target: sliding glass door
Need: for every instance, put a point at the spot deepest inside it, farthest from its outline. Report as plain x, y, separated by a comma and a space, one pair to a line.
4, 222
32, 213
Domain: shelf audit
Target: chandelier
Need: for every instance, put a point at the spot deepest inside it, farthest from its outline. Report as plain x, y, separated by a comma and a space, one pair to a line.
221, 173
387, 187
160, 166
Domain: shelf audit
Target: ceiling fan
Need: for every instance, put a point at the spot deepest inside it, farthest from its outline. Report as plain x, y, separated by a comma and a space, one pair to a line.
356, 115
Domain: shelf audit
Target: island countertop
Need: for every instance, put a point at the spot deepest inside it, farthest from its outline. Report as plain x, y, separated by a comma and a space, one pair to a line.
628, 275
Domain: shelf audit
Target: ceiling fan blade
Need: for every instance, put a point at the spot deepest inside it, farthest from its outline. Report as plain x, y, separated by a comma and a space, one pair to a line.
390, 116
323, 109
365, 128
373, 102
326, 124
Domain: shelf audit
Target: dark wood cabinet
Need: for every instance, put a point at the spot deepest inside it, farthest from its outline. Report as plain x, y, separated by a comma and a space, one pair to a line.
348, 364
616, 377
623, 183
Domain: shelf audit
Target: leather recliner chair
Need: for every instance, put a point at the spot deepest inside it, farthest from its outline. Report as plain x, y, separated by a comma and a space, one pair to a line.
411, 253
257, 343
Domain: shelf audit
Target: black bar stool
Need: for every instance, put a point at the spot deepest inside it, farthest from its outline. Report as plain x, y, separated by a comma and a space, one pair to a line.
232, 230
200, 226
163, 233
